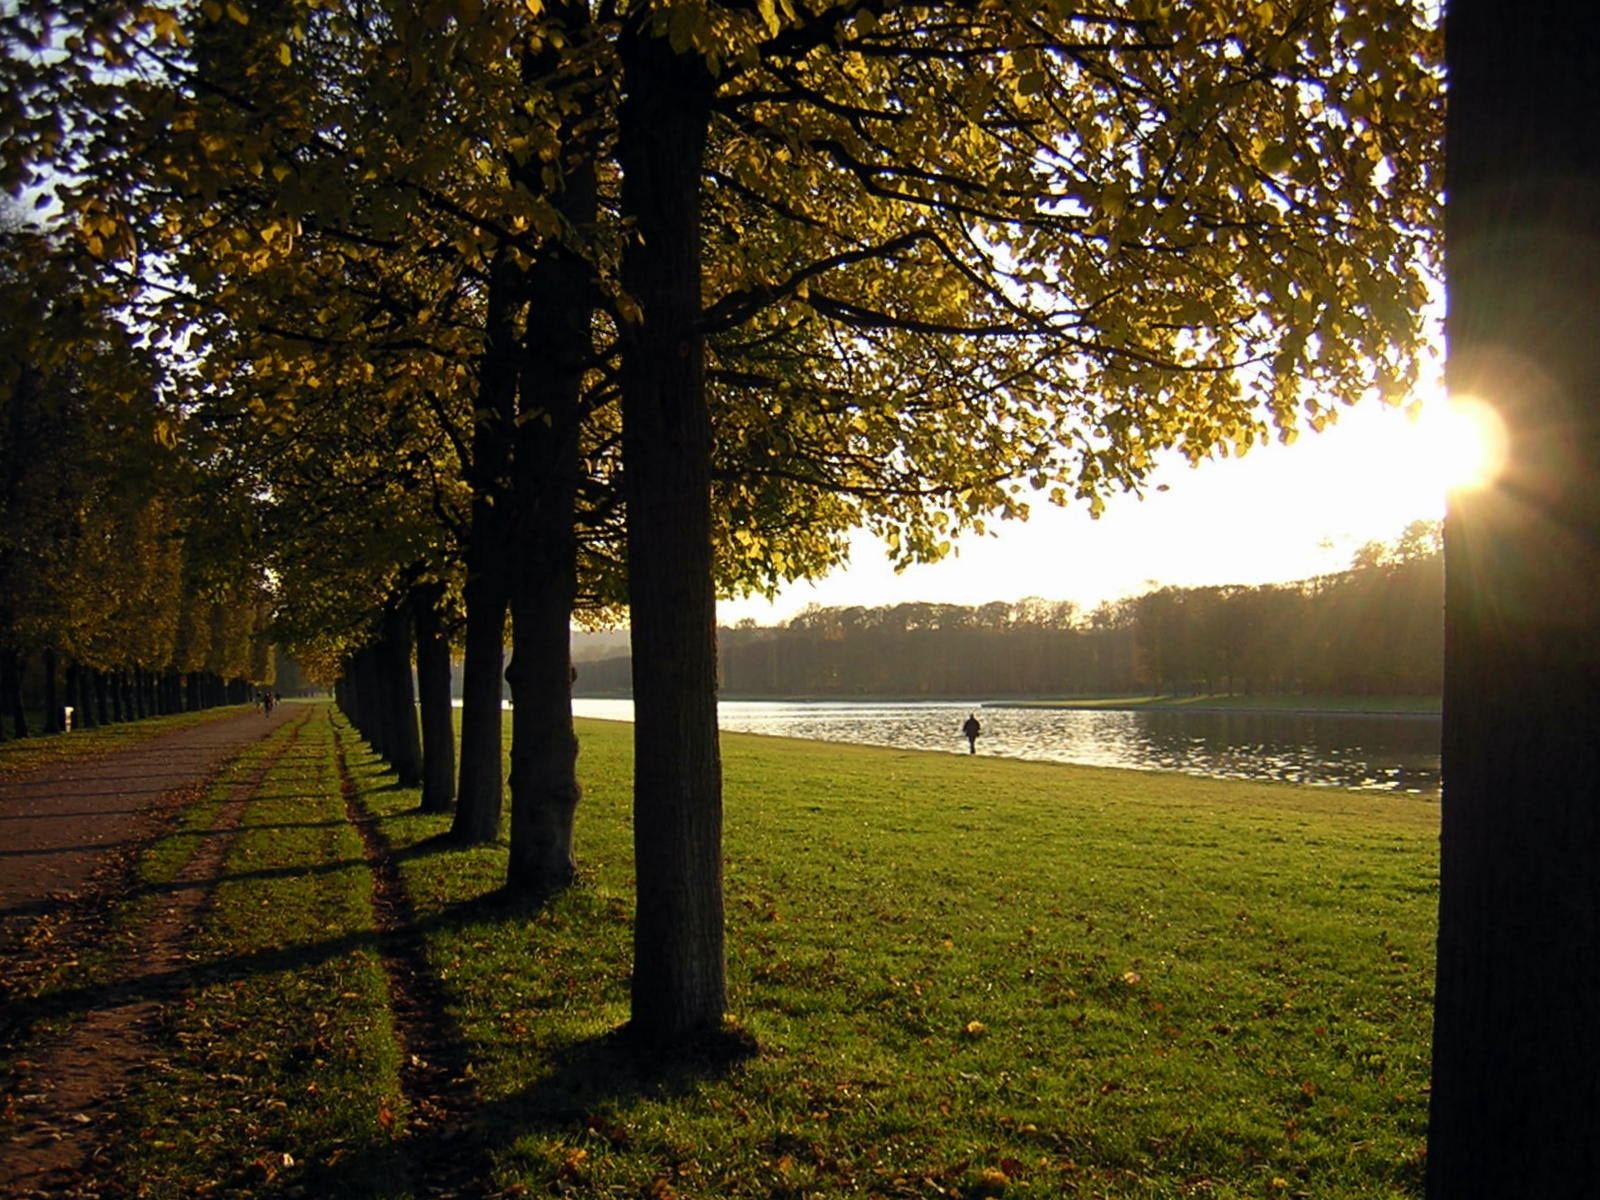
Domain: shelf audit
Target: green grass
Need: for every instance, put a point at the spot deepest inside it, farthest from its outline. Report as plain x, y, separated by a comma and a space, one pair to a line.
281, 1066
971, 976
1216, 701
43, 750
967, 977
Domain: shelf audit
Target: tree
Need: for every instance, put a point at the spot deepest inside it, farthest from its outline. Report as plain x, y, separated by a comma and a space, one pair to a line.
100, 526
679, 989
943, 255
1515, 1109
1104, 234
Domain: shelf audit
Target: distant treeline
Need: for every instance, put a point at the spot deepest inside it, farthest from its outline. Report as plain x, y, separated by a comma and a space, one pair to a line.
1375, 630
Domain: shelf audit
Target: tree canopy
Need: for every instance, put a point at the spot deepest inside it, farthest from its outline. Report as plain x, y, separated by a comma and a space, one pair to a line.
459, 288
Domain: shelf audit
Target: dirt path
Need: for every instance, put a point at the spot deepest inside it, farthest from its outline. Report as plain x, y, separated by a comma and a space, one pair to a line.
58, 823
68, 837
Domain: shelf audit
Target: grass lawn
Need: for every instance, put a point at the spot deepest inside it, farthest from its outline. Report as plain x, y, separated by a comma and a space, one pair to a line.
967, 976
282, 1061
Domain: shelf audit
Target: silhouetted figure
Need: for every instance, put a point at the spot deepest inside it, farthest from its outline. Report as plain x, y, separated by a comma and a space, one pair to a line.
972, 729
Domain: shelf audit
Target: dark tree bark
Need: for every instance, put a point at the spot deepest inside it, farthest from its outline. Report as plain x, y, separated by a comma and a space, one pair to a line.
544, 748
679, 990
11, 664
398, 698
11, 696
1516, 1087
433, 695
487, 591
388, 700
348, 703
366, 690
557, 351
52, 693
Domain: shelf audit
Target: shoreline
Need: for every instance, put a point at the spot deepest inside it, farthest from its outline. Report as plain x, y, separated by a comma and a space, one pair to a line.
1348, 706
1301, 706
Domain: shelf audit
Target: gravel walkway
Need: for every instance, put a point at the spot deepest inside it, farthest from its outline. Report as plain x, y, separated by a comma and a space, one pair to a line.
58, 824
68, 837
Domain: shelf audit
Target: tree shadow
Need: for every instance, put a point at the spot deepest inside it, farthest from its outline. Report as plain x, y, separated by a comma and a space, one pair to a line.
584, 1080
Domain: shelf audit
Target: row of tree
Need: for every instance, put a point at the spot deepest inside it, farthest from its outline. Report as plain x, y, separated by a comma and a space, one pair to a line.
126, 584
521, 310
467, 284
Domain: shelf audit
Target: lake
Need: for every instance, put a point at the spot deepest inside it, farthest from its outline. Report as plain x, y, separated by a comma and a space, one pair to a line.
1387, 752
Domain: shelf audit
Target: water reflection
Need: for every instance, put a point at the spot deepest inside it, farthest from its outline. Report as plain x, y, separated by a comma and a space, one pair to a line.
1386, 753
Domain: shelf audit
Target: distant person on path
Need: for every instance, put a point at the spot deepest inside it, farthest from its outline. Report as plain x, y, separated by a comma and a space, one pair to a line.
972, 729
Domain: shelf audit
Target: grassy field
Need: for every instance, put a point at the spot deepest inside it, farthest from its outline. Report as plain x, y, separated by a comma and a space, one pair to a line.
968, 977
282, 1061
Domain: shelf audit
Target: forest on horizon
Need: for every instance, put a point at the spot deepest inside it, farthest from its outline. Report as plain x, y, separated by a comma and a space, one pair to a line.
1373, 630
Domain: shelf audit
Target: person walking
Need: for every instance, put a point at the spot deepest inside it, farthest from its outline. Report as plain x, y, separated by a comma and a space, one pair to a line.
972, 729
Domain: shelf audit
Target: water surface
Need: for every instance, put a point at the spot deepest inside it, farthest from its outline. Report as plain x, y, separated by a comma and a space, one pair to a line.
1381, 752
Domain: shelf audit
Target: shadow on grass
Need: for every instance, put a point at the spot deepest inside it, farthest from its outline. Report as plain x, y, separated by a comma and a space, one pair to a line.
568, 1102
22, 1014
443, 842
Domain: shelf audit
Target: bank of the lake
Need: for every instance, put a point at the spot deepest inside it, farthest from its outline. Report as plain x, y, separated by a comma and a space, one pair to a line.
1207, 702
1390, 752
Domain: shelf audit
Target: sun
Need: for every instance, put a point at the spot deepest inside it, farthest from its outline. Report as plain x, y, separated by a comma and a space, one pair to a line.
1465, 441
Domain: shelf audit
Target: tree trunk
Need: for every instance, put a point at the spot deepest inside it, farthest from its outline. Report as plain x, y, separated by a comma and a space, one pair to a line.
433, 693
544, 749
352, 681
8, 672
1515, 1104
52, 694
549, 464
487, 592
679, 989
366, 688
397, 698
482, 788
11, 665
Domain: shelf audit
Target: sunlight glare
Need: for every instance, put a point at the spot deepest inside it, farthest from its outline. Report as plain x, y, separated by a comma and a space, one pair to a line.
1469, 441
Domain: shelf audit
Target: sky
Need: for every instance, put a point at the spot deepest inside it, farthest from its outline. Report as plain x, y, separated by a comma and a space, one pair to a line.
1278, 513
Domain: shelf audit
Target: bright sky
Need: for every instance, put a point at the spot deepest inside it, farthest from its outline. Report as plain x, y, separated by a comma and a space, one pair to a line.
1278, 513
